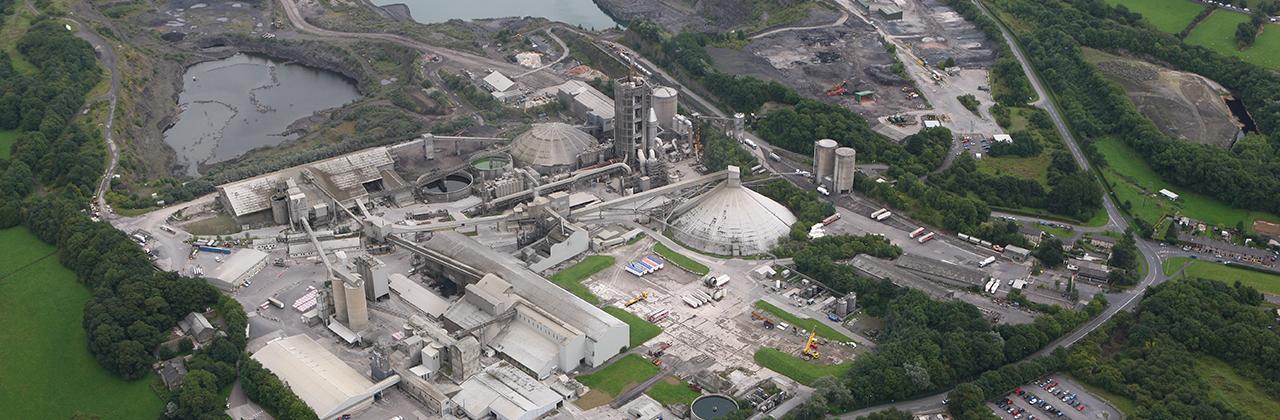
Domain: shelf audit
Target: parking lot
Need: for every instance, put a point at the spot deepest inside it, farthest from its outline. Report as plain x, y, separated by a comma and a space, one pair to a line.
1053, 397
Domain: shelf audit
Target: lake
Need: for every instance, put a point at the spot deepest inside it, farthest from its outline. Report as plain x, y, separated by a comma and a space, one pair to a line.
234, 105
583, 13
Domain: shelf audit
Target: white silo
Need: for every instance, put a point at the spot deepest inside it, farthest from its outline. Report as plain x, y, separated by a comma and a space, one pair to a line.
664, 104
739, 125
824, 158
842, 176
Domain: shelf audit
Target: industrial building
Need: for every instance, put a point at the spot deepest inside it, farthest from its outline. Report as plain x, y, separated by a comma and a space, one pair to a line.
235, 269
587, 104
632, 130
505, 393
665, 101
325, 383
1017, 253
551, 148
732, 220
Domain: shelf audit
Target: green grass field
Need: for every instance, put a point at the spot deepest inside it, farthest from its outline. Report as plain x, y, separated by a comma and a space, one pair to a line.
7, 139
641, 330
46, 370
1268, 283
1058, 232
681, 260
1218, 32
1135, 182
805, 323
222, 224
620, 376
671, 390
571, 278
1167, 15
1236, 391
14, 27
1033, 168
800, 370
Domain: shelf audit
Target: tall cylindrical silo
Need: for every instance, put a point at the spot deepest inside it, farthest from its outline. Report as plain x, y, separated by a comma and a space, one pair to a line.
664, 104
842, 178
824, 158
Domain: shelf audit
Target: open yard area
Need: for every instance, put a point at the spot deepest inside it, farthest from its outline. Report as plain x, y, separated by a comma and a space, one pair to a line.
620, 376
1236, 391
804, 323
1218, 32
1135, 183
671, 390
222, 224
802, 371
46, 370
641, 330
571, 278
1167, 15
1267, 283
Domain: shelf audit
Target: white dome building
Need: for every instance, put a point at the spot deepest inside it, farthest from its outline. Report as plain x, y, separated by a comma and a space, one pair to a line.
732, 220
552, 147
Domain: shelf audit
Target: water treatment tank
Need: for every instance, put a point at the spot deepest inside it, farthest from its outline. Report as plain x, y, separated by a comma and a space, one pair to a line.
664, 104
844, 169
824, 158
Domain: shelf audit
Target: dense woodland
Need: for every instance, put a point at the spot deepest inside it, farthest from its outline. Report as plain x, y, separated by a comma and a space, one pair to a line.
719, 151
1243, 177
47, 185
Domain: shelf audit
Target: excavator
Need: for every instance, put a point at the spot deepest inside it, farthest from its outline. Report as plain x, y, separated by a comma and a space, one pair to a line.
841, 88
639, 298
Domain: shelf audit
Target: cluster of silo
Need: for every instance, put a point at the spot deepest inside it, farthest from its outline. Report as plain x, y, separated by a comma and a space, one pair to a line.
834, 166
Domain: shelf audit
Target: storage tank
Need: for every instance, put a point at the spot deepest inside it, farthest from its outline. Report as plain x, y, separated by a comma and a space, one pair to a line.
664, 104
844, 170
841, 308
824, 158
739, 125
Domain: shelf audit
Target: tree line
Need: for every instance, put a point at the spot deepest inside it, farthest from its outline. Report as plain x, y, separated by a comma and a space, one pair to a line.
46, 187
1096, 108
926, 345
1154, 355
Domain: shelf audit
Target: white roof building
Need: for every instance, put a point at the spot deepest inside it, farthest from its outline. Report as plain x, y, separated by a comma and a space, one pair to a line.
1002, 138
318, 377
551, 147
418, 296
732, 220
242, 265
505, 393
1169, 195
498, 82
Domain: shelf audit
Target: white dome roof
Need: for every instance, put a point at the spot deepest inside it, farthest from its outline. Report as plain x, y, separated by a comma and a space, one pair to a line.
550, 144
732, 220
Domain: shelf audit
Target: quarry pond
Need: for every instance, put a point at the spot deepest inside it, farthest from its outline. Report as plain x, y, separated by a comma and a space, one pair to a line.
230, 106
583, 13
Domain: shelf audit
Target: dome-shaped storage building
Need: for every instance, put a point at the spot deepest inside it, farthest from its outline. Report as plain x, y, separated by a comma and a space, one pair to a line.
552, 147
732, 220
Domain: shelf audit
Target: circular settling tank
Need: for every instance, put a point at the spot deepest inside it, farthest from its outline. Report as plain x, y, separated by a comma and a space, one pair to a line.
711, 407
488, 166
452, 187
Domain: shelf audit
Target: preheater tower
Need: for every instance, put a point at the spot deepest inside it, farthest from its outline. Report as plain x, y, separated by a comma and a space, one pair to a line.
842, 175
824, 159
632, 101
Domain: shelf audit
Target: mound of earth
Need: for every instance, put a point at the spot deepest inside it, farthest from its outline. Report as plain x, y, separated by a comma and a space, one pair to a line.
1183, 105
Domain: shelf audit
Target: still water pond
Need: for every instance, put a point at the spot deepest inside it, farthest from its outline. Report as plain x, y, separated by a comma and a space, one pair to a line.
583, 13
234, 105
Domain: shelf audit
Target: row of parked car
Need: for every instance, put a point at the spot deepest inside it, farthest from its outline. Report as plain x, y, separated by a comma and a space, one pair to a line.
1052, 387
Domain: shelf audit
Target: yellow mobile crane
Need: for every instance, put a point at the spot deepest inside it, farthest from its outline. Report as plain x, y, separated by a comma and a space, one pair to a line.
642, 296
810, 351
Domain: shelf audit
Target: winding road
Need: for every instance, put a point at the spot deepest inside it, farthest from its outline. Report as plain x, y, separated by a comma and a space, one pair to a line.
844, 17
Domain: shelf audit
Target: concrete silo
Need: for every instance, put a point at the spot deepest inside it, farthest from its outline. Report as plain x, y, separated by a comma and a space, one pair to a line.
842, 176
824, 158
664, 103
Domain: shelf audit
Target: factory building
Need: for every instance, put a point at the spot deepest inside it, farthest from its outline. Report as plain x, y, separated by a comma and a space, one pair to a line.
632, 105
548, 318
240, 266
503, 392
843, 170
551, 148
587, 104
320, 379
732, 220
316, 191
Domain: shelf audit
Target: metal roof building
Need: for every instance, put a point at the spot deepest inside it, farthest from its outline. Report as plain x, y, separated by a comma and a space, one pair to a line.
240, 266
319, 378
506, 393
732, 220
498, 82
551, 147
605, 336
